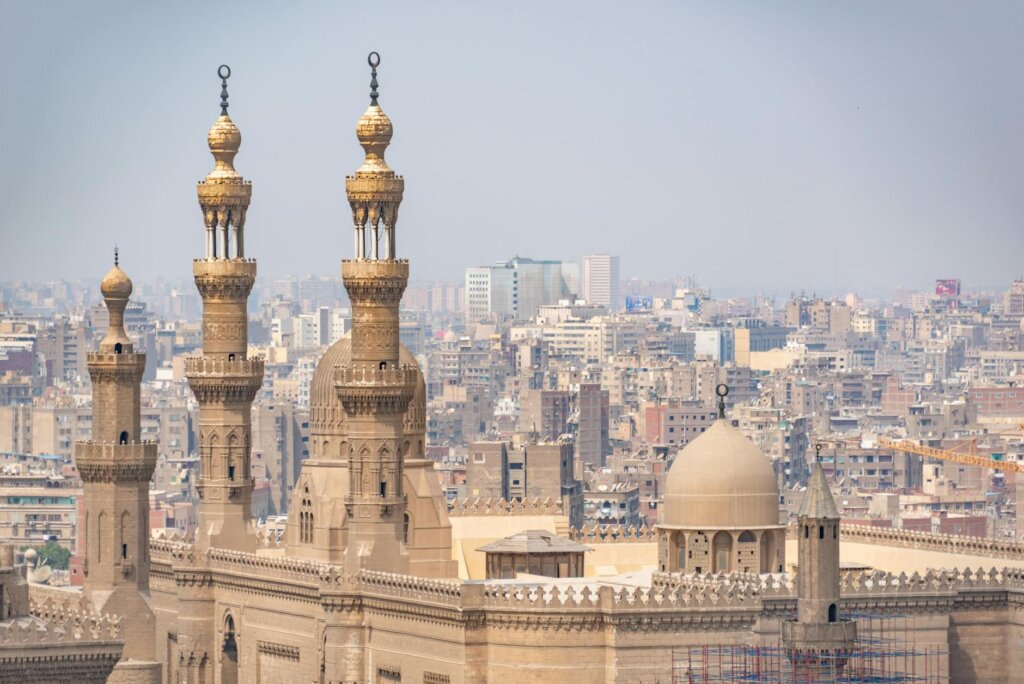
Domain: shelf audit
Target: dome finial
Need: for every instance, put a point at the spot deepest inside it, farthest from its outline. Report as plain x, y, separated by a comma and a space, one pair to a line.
373, 59
115, 255
722, 391
224, 71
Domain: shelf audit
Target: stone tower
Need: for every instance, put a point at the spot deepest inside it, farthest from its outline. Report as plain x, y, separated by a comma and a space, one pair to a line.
818, 640
373, 387
223, 379
116, 467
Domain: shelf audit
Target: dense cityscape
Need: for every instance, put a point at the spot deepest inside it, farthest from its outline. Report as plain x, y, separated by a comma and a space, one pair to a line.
561, 466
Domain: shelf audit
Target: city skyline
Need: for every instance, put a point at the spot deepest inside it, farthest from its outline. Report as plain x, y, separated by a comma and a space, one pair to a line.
862, 169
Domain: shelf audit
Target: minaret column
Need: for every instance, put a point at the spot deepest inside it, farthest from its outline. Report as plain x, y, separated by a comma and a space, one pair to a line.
373, 388
224, 380
116, 467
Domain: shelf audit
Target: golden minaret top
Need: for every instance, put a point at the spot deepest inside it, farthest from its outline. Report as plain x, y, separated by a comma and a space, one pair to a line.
374, 192
224, 195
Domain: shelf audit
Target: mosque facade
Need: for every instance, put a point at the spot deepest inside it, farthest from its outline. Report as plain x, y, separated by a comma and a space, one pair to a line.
363, 586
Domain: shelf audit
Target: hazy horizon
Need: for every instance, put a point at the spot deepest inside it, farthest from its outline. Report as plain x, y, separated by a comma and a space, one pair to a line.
758, 147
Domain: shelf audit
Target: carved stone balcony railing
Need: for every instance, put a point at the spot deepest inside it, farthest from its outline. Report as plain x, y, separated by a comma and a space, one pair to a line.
224, 368
115, 462
224, 380
370, 376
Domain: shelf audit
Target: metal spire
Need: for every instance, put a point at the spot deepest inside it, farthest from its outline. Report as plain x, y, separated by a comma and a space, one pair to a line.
373, 59
115, 255
224, 71
722, 391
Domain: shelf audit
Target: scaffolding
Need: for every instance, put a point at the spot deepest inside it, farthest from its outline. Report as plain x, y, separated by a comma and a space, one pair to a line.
884, 654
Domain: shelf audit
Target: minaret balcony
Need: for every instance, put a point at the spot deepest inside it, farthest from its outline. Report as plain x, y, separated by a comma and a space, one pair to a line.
224, 279
115, 462
365, 389
220, 379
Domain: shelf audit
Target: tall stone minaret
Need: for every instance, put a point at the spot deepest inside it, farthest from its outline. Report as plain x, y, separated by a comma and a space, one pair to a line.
116, 467
818, 640
224, 379
373, 388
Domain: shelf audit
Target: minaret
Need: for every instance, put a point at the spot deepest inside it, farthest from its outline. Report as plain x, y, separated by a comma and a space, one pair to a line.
223, 379
818, 640
116, 467
373, 388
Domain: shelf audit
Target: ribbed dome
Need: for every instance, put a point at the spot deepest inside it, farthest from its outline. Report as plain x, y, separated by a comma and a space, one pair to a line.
721, 480
116, 284
326, 415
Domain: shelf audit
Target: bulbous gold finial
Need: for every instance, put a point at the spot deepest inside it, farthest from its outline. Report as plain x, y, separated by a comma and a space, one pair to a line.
116, 284
374, 129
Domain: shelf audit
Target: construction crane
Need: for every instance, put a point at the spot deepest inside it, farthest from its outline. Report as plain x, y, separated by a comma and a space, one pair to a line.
969, 458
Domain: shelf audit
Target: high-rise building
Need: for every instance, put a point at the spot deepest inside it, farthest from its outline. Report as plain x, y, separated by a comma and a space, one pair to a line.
519, 287
601, 280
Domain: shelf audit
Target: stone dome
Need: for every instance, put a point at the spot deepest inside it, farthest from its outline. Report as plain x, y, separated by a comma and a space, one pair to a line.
116, 284
327, 417
721, 480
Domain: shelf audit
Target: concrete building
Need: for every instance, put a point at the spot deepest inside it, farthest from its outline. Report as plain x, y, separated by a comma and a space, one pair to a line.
601, 280
517, 288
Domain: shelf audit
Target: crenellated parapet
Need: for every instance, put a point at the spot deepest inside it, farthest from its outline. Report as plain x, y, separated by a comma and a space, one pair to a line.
112, 462
386, 584
946, 543
478, 506
598, 534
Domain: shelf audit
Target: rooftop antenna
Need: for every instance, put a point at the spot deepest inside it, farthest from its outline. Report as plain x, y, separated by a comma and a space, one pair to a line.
817, 452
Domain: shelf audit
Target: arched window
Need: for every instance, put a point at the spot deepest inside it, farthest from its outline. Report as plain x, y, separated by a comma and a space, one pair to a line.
229, 662
231, 357
747, 537
807, 531
124, 437
306, 518
832, 613
821, 531
721, 552
118, 347
405, 528
681, 551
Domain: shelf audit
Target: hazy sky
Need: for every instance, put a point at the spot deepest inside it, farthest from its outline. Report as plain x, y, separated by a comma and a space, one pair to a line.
759, 146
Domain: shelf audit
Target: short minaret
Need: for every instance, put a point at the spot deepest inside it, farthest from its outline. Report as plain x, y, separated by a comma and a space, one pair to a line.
223, 379
116, 467
818, 640
373, 388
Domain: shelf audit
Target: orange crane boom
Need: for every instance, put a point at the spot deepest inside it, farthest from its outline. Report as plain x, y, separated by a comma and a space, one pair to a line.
954, 456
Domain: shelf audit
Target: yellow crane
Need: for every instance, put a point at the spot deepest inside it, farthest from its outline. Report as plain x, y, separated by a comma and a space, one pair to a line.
969, 458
